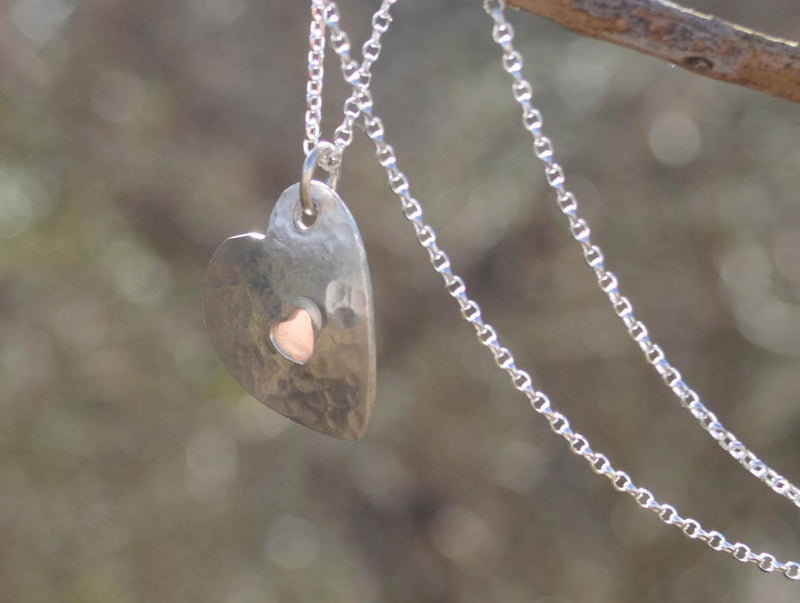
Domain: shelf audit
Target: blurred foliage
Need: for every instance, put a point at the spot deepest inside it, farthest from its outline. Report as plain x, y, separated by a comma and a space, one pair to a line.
136, 136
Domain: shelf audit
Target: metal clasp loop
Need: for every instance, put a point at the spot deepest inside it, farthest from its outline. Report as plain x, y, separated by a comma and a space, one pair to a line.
321, 151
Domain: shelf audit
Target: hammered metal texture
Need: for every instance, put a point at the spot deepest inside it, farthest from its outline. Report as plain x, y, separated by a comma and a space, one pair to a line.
255, 281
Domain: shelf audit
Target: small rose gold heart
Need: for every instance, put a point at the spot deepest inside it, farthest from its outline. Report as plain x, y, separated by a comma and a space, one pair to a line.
294, 337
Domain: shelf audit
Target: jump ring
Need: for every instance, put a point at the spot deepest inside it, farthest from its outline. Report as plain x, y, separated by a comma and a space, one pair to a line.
313, 159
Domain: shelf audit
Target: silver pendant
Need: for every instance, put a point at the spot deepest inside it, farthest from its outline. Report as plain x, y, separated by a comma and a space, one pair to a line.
290, 314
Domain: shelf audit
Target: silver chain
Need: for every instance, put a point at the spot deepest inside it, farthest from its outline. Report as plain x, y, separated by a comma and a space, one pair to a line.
593, 255
485, 332
316, 73
360, 76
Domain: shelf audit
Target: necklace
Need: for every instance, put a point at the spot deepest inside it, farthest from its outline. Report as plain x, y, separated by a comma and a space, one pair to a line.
299, 314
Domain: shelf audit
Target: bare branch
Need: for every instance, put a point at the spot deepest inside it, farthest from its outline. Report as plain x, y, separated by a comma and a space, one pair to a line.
698, 42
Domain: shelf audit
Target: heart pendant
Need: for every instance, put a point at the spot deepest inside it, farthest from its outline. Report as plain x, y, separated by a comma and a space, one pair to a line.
289, 313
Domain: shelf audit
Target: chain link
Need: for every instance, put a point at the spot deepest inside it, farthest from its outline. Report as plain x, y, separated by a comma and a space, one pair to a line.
486, 333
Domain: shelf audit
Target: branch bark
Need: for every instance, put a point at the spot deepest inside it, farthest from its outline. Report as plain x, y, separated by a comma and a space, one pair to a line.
698, 42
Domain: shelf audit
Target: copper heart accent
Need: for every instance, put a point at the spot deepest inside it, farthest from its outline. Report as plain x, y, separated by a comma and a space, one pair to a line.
294, 337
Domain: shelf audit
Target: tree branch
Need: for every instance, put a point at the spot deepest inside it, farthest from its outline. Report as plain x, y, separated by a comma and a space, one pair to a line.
698, 42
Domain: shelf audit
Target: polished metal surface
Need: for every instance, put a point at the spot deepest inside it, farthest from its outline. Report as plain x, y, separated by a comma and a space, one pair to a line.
254, 287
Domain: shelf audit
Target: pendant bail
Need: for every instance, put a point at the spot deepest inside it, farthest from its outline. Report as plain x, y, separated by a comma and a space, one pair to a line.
321, 151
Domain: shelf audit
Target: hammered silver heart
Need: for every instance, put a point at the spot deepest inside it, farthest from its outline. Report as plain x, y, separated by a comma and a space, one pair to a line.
256, 284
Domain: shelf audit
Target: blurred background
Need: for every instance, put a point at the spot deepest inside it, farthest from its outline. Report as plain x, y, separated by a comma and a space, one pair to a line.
136, 136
